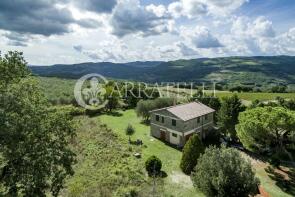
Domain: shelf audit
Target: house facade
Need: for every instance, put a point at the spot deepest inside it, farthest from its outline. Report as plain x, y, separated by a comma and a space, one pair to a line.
176, 124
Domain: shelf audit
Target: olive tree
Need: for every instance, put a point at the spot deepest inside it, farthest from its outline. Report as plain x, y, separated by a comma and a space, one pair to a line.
224, 173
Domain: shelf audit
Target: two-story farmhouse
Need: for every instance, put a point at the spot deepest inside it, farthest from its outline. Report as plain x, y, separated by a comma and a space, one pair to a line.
176, 124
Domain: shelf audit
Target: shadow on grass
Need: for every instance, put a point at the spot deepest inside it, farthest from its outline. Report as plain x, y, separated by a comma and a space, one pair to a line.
256, 156
171, 145
284, 180
114, 113
145, 122
161, 174
98, 112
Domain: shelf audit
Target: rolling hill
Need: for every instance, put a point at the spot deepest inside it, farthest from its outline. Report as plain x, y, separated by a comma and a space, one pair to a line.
231, 70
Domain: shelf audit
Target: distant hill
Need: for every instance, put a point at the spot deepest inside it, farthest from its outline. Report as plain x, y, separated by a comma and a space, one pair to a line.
253, 70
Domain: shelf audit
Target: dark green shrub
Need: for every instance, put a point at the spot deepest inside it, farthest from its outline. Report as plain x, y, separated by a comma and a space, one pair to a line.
153, 165
129, 131
191, 152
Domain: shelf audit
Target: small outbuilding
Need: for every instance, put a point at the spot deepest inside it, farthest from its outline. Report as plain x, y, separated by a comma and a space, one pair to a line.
177, 123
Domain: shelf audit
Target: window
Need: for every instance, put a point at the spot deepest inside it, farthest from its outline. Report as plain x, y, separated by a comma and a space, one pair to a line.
174, 135
157, 117
206, 117
173, 122
198, 120
162, 119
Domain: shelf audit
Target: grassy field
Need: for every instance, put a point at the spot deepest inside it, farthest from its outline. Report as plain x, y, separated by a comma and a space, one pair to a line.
57, 90
262, 96
176, 183
247, 96
105, 164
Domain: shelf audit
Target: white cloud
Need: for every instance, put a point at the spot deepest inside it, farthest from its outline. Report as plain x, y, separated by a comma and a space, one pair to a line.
260, 27
112, 50
196, 8
159, 11
129, 17
175, 9
251, 36
200, 37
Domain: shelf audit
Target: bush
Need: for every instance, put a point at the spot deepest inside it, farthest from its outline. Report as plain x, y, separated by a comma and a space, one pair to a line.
153, 165
130, 131
191, 152
223, 172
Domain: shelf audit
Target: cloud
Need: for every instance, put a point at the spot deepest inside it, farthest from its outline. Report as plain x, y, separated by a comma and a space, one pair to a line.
188, 8
89, 23
78, 48
186, 50
200, 37
129, 17
196, 8
281, 44
175, 9
251, 36
42, 17
112, 50
17, 39
35, 17
223, 7
99, 6
260, 27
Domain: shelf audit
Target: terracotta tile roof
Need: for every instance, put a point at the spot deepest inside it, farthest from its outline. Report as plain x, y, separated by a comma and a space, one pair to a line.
189, 111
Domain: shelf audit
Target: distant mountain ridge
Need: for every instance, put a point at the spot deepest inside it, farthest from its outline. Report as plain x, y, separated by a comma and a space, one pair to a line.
258, 70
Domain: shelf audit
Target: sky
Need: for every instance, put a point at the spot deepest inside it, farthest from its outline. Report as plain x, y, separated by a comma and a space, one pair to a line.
74, 31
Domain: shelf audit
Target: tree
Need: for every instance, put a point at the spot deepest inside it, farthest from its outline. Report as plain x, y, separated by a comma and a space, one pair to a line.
129, 131
12, 68
213, 102
112, 96
190, 154
144, 107
266, 127
278, 89
34, 138
133, 93
228, 115
223, 172
153, 165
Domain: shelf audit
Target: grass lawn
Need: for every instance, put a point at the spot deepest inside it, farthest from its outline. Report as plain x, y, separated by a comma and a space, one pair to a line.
176, 183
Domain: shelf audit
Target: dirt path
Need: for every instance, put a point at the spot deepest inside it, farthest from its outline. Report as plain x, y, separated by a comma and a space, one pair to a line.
181, 179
